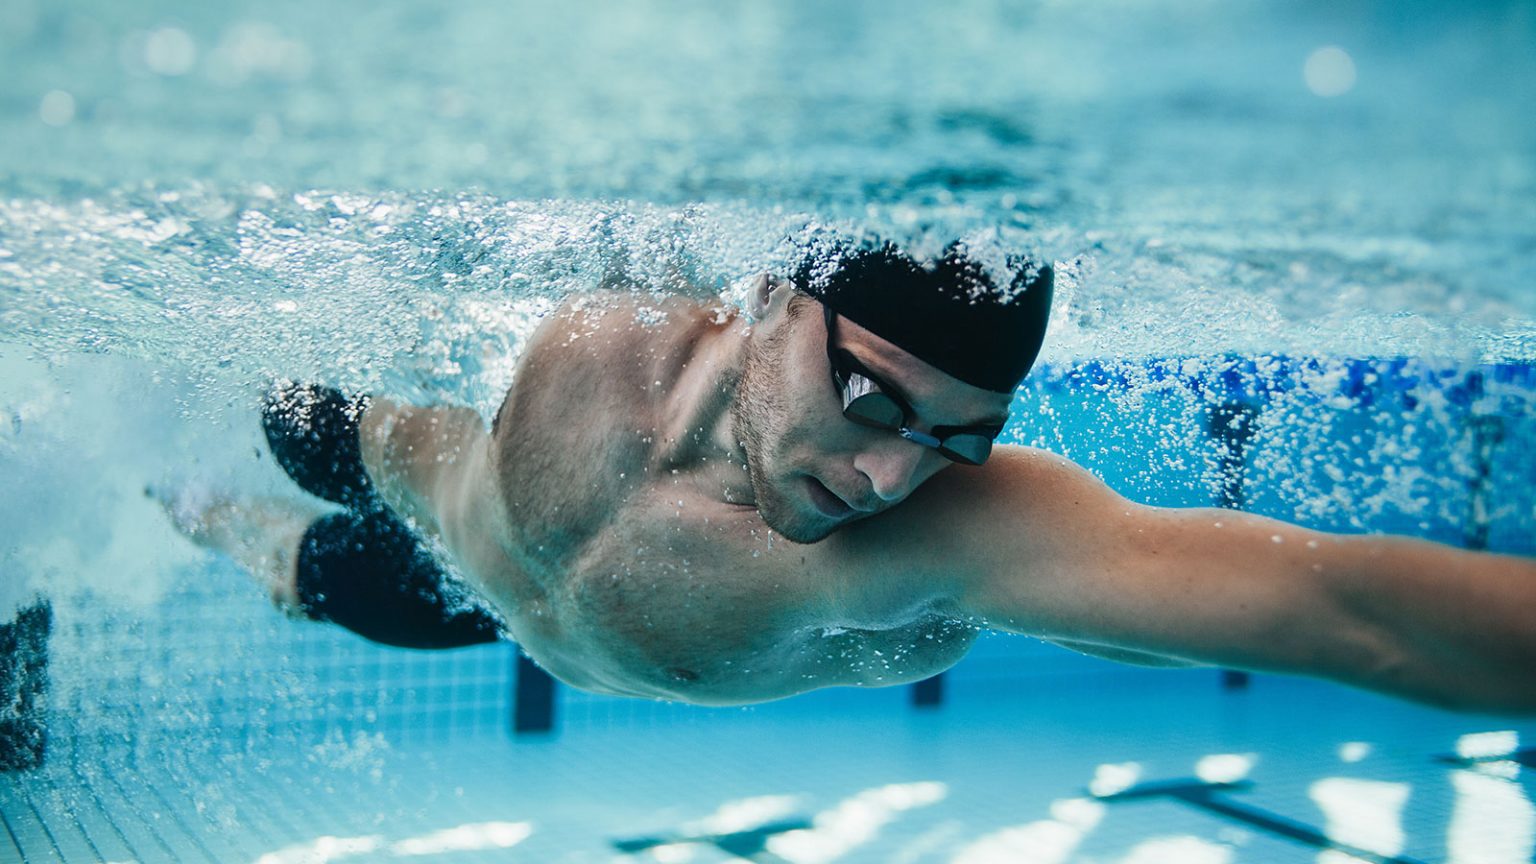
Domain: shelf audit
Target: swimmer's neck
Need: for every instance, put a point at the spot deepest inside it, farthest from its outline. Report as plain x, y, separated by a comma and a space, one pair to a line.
697, 434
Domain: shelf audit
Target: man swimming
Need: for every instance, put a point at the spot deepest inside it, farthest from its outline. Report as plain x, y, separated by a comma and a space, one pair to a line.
677, 500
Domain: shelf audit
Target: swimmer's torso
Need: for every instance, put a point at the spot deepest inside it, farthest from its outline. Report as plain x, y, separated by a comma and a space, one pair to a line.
625, 553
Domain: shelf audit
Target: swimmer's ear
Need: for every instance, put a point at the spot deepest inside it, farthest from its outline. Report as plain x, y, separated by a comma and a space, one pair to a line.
760, 293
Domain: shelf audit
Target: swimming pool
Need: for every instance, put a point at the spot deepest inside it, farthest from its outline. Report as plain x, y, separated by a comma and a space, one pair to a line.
1323, 214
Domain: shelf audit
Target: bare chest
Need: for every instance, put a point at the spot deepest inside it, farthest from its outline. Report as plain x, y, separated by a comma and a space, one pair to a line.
629, 573
702, 607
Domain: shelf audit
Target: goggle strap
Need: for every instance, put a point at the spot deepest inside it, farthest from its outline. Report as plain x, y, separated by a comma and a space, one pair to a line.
920, 437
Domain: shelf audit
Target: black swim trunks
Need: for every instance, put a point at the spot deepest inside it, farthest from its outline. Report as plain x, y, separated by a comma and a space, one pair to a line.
363, 568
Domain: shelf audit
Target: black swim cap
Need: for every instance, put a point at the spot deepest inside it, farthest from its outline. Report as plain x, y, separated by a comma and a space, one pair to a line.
949, 314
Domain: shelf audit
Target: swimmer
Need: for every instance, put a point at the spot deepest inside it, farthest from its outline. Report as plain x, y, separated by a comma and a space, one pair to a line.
726, 508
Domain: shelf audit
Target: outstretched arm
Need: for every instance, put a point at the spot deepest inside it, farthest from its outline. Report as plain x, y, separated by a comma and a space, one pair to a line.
1054, 553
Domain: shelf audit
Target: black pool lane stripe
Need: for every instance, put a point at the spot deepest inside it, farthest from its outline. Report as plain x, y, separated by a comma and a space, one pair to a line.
751, 844
1525, 756
1206, 796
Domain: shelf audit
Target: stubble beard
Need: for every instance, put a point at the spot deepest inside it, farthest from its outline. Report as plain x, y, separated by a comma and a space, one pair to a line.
757, 421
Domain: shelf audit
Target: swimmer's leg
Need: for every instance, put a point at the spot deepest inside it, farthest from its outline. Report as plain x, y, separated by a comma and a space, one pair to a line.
363, 452
260, 534
372, 575
431, 463
312, 432
367, 572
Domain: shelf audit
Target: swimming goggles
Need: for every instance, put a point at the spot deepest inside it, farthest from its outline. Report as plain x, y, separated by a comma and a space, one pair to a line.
868, 401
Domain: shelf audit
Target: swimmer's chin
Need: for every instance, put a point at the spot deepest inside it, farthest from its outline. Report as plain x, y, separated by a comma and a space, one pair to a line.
809, 539
807, 530
803, 525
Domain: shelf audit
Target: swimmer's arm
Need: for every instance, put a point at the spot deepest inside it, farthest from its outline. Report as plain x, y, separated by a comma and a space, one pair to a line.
1125, 655
1061, 556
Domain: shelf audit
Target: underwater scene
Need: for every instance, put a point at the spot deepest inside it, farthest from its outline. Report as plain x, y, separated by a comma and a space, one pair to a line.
1294, 247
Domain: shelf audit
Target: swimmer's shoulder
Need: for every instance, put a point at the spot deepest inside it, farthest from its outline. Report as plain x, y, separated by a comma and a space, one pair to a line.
614, 333
579, 426
606, 357
1018, 475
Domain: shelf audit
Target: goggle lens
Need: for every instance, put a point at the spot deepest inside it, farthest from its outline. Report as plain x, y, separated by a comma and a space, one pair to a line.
969, 449
865, 404
875, 409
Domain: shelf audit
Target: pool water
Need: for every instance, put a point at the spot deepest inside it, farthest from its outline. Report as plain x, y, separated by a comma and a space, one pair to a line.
1321, 215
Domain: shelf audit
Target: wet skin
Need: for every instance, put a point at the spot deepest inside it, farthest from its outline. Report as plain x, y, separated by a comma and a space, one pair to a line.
680, 510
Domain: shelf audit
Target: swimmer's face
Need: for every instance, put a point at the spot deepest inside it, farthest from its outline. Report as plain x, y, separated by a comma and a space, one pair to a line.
812, 469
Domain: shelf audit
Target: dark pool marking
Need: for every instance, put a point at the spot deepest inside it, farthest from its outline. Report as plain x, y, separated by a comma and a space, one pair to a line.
24, 686
751, 844
533, 698
1525, 756
1232, 424
929, 692
1487, 435
1203, 796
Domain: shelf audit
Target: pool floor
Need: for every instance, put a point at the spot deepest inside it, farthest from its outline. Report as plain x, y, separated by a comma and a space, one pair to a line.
979, 780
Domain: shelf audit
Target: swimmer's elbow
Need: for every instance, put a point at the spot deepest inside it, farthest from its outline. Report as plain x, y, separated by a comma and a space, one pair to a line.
1456, 688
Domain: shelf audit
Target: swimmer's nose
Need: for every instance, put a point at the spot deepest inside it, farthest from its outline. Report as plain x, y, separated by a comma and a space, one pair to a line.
891, 468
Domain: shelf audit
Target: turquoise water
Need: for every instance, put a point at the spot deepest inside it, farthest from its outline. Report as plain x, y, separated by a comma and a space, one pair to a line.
387, 197
1208, 197
1324, 211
